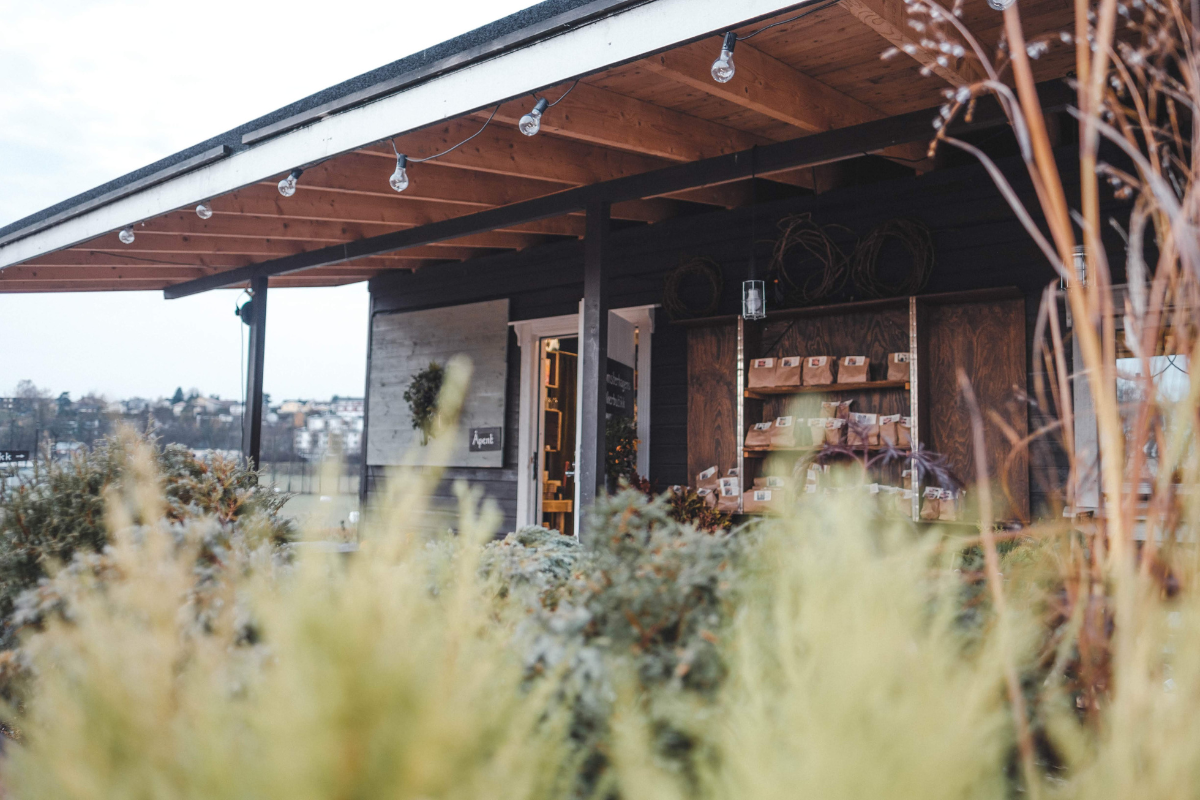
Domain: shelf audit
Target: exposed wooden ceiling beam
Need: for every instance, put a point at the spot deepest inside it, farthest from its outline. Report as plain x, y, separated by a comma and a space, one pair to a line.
354, 173
502, 150
774, 89
186, 223
150, 244
262, 200
147, 272
889, 19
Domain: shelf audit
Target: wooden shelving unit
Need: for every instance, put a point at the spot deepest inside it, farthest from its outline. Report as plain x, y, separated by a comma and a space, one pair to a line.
833, 323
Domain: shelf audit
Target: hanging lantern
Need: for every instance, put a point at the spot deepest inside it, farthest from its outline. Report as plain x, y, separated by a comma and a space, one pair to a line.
754, 297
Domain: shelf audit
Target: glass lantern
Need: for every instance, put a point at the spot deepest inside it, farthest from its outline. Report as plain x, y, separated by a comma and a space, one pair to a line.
754, 300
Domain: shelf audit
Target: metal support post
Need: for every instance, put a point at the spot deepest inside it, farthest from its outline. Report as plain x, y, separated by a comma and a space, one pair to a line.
252, 413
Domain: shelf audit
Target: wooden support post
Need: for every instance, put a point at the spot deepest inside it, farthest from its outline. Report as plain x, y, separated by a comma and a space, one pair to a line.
252, 413
594, 352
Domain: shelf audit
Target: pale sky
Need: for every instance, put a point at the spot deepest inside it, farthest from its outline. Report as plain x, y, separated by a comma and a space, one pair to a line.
93, 89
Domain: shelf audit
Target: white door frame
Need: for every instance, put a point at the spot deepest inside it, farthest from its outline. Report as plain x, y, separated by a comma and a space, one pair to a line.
529, 336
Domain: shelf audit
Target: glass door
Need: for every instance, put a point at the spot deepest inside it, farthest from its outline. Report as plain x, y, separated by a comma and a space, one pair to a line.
556, 419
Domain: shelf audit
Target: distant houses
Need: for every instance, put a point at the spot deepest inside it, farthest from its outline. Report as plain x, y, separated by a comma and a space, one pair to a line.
294, 430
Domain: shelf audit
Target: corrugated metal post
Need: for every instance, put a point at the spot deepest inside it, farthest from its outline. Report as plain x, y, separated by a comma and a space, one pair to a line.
594, 352
252, 413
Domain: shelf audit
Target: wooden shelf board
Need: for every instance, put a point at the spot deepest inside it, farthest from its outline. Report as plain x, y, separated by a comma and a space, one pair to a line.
763, 452
828, 388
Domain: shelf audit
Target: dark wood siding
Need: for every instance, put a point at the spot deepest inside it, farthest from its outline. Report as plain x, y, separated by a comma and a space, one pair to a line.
978, 243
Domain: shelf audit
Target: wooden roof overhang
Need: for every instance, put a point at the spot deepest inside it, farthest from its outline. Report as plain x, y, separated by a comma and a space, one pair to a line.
646, 128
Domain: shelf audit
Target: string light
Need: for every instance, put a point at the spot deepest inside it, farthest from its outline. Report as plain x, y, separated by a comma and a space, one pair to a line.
126, 235
399, 179
723, 69
204, 210
287, 186
531, 123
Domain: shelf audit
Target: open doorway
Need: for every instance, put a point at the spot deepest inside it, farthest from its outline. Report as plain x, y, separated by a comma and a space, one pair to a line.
559, 400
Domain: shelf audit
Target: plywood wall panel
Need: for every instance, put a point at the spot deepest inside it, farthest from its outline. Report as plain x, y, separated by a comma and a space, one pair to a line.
711, 409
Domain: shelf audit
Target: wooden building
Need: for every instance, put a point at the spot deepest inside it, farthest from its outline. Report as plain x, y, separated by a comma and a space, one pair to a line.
547, 257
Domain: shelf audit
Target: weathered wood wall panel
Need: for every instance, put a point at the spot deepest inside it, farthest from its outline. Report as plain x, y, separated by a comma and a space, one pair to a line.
405, 343
987, 341
711, 399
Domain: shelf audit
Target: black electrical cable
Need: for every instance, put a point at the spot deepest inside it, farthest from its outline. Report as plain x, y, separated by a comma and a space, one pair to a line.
564, 94
801, 15
455, 147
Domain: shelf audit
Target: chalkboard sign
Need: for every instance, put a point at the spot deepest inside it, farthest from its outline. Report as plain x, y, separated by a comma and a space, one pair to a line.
619, 394
485, 440
13, 456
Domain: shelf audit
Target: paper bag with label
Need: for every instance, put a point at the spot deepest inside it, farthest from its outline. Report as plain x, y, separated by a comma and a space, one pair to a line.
763, 501
708, 496
762, 374
835, 431
759, 435
818, 371
863, 429
707, 479
788, 371
931, 506
897, 369
833, 409
854, 369
728, 495
904, 503
770, 482
904, 433
887, 428
816, 432
783, 434
949, 506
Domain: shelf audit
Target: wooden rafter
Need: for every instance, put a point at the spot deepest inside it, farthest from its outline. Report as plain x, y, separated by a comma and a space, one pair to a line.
889, 19
774, 89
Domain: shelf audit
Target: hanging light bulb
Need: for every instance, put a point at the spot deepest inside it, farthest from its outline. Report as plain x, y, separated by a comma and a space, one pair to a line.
1000, 5
754, 304
399, 179
126, 235
287, 186
723, 68
204, 210
531, 123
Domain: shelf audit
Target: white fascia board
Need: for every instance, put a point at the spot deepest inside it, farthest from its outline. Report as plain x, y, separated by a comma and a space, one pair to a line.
624, 36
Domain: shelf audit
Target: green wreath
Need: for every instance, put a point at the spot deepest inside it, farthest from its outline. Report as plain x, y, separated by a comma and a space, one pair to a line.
422, 396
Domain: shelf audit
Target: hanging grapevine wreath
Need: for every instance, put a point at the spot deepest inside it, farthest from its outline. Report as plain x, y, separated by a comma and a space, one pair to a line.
864, 266
703, 270
807, 265
421, 396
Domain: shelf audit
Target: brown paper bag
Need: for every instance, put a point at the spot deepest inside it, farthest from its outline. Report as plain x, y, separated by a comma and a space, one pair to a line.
788, 372
764, 501
708, 496
770, 482
835, 431
818, 371
759, 435
854, 369
783, 434
904, 503
887, 428
863, 429
728, 495
897, 367
904, 433
949, 506
816, 432
833, 409
931, 506
707, 479
762, 374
